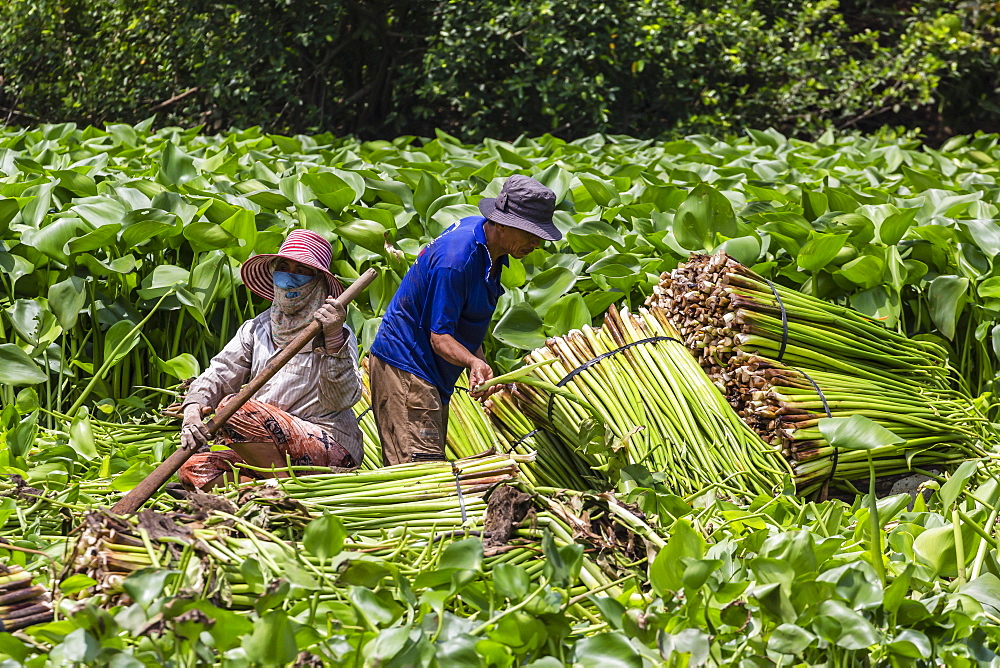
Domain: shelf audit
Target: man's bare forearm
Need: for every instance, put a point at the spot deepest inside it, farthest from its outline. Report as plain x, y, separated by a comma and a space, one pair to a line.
453, 352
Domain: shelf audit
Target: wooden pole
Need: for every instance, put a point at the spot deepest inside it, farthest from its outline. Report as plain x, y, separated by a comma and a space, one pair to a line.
144, 490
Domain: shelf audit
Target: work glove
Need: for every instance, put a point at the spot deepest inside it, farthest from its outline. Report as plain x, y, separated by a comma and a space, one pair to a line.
194, 433
332, 316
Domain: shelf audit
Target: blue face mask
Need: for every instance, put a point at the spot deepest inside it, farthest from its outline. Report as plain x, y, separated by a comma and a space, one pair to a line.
287, 281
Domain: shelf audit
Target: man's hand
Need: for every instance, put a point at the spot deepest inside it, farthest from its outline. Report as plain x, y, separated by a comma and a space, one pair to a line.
332, 316
479, 373
194, 433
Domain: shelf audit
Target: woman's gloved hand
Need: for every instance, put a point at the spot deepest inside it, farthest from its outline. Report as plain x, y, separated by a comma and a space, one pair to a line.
332, 316
194, 433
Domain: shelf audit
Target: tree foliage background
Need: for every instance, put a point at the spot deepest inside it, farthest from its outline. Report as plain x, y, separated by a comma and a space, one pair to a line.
505, 67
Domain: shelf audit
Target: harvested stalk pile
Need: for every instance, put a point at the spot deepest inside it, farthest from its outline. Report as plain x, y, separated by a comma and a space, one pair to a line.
417, 498
21, 603
209, 549
785, 360
555, 464
633, 380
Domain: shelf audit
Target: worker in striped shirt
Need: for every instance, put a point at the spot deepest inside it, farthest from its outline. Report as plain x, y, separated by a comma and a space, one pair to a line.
303, 414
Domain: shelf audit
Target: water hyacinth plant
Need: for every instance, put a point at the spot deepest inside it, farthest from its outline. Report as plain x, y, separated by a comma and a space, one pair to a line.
610, 506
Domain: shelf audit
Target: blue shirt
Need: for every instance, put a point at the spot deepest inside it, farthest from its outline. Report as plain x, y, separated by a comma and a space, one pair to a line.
448, 290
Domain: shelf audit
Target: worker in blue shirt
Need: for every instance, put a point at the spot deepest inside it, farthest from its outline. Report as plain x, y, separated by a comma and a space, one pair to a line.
437, 321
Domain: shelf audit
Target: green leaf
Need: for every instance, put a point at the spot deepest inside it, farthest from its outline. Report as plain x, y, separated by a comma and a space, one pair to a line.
514, 274
119, 341
365, 233
745, 250
511, 581
324, 536
790, 639
368, 604
161, 279
76, 583
667, 570
464, 554
894, 226
855, 632
66, 299
936, 548
616, 265
128, 479
52, 238
856, 433
16, 368
866, 271
562, 564
208, 236
146, 585
272, 642
703, 214
989, 288
27, 400
911, 644
8, 209
243, 227
985, 234
698, 571
820, 250
81, 436
556, 179
956, 483
520, 327
103, 236
546, 288
986, 590
99, 211
387, 645
945, 298
606, 650
27, 316
182, 367
78, 647
176, 166
428, 190
591, 235
602, 191
567, 313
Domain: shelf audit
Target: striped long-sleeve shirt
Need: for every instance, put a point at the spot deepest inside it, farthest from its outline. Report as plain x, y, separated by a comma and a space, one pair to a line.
314, 386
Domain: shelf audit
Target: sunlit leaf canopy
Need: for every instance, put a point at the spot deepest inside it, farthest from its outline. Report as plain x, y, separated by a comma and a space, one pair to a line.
97, 226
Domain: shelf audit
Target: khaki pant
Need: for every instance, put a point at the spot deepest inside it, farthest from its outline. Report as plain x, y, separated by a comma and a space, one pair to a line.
412, 420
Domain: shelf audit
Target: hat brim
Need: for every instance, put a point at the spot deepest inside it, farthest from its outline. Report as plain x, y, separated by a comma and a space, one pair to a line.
547, 231
256, 274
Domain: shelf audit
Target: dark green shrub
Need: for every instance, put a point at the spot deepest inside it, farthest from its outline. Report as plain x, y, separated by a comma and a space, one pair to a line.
503, 67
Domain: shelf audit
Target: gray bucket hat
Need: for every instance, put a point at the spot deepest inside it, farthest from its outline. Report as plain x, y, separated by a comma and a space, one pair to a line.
523, 203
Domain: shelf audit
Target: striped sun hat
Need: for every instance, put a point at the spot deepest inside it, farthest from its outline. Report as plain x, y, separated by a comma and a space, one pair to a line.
302, 246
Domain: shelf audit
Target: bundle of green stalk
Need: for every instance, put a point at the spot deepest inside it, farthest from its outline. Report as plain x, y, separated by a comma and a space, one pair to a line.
655, 403
21, 604
48, 512
732, 321
556, 464
418, 498
112, 439
208, 558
